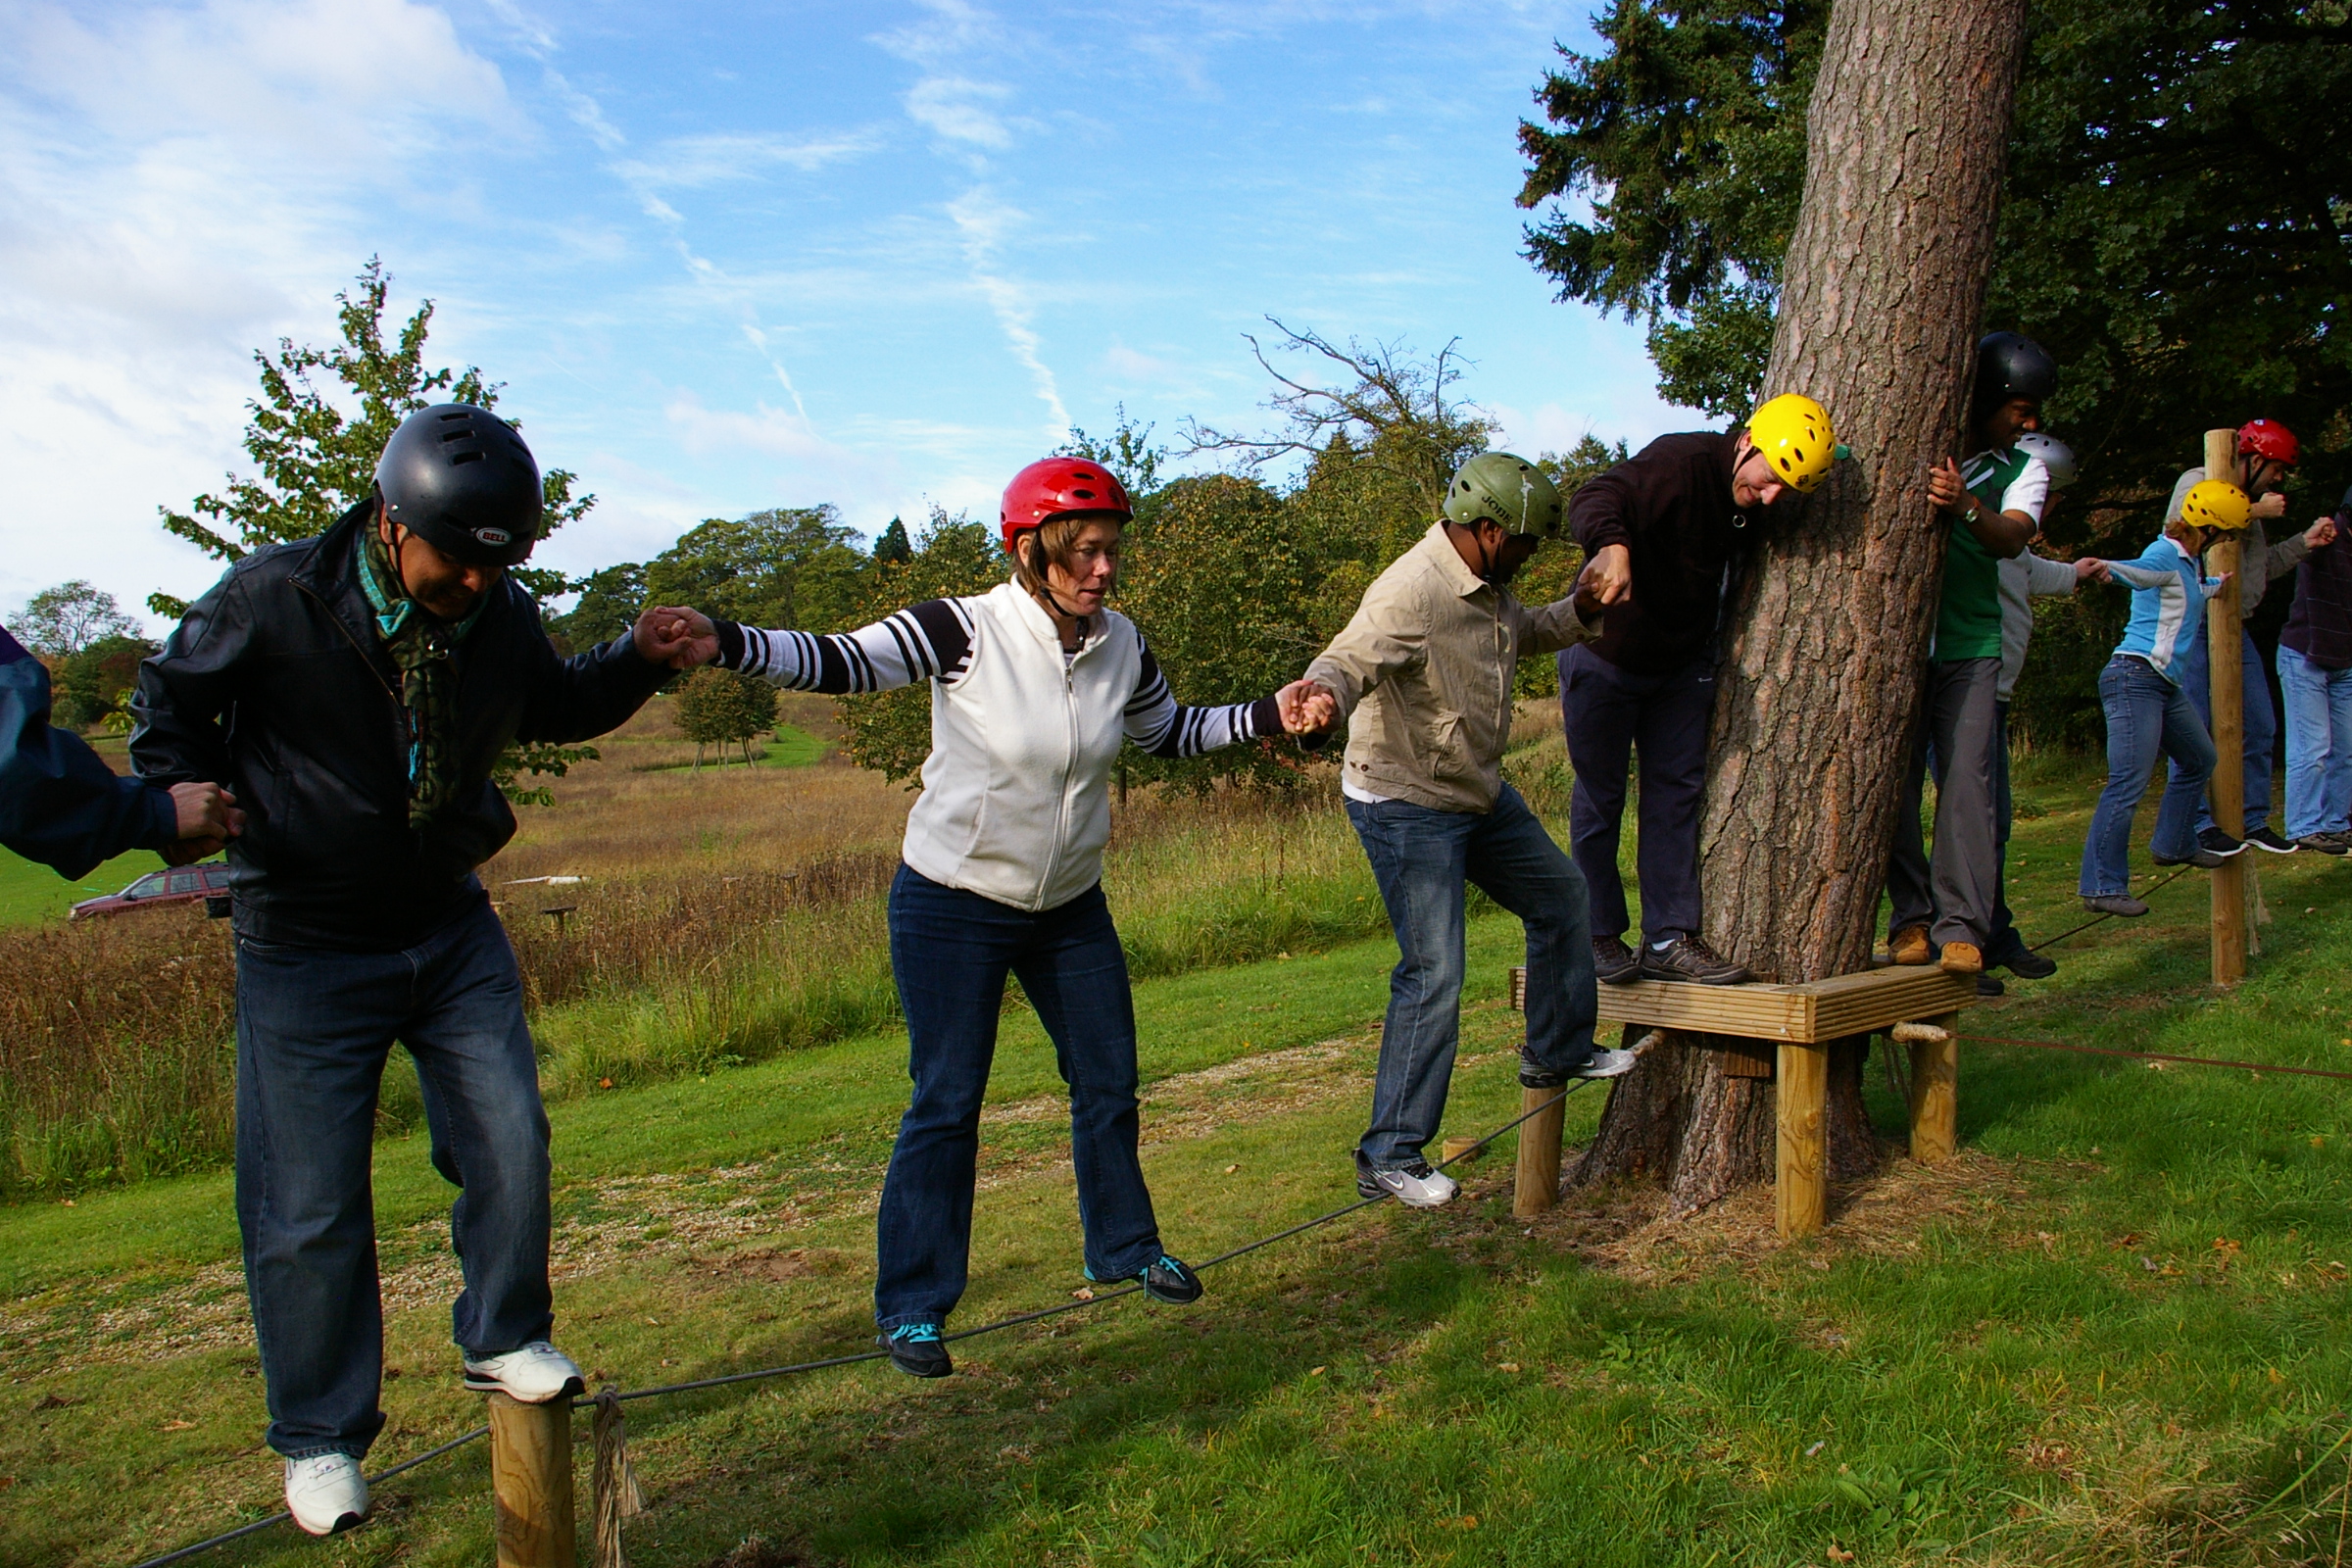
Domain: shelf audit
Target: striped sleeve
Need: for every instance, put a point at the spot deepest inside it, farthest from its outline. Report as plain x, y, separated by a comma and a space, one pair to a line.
929, 641
1166, 727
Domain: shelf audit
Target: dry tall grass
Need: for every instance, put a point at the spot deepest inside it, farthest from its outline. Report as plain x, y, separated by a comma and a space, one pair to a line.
725, 915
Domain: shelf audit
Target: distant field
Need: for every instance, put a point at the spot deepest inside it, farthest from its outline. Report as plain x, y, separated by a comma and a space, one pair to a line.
30, 893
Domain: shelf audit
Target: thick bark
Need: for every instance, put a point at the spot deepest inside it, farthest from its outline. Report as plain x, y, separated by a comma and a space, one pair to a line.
1905, 143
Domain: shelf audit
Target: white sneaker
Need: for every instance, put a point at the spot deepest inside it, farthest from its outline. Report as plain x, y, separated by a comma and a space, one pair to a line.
1414, 1184
1606, 1064
326, 1493
532, 1375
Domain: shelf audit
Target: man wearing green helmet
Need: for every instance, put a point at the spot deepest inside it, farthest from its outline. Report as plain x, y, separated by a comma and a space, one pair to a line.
1424, 673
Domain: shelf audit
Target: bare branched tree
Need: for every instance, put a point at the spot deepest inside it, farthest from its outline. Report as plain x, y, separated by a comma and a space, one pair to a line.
1396, 414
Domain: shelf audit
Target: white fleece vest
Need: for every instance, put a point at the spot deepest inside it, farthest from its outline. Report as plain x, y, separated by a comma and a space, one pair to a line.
1017, 799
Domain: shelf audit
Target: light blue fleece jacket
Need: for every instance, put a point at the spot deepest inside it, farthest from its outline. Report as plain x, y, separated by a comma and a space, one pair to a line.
2167, 606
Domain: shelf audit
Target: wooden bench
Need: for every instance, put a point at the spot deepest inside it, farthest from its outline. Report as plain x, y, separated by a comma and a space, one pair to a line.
1784, 1032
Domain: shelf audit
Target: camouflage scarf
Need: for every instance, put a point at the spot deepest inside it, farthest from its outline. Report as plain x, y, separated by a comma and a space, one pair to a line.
420, 647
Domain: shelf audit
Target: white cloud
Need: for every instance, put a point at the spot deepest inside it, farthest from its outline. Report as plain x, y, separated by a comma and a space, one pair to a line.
182, 183
691, 162
985, 222
950, 106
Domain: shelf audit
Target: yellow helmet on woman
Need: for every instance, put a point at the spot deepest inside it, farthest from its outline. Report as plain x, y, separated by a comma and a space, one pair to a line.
2215, 504
1793, 433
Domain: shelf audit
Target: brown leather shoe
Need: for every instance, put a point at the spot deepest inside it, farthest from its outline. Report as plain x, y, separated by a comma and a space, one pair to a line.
1910, 945
1961, 957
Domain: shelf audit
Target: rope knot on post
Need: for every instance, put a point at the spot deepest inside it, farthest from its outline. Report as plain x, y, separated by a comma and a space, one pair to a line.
617, 1496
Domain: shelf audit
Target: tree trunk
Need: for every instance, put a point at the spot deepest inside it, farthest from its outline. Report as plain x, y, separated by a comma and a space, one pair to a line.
1906, 137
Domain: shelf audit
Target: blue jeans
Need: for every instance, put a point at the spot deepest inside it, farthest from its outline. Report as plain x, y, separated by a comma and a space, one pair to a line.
1423, 859
2261, 739
2319, 746
313, 1029
951, 951
2147, 716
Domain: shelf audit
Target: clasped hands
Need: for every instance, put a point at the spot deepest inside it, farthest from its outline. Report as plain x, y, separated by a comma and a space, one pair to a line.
677, 636
206, 817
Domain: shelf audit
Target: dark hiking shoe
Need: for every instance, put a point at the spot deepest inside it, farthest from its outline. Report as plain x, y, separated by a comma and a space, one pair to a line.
2023, 962
2267, 837
1689, 959
1988, 986
2123, 904
915, 1349
2324, 843
2201, 857
1167, 1280
1613, 963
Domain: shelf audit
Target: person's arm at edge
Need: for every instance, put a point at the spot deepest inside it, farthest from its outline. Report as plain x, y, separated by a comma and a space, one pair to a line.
1389, 633
60, 803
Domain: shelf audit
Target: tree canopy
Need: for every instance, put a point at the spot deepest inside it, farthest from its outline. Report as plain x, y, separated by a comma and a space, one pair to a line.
319, 426
2173, 227
60, 622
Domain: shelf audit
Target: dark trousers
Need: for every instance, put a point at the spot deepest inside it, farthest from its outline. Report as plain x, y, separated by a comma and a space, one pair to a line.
313, 1030
1954, 896
1424, 860
950, 952
2004, 940
1611, 716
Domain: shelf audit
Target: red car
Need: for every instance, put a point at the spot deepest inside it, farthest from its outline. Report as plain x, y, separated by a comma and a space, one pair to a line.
179, 885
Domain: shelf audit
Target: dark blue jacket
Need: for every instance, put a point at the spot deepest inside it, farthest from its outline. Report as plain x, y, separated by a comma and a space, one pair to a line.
59, 804
276, 685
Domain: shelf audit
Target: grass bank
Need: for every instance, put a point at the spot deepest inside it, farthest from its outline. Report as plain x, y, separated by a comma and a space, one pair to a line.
2112, 1332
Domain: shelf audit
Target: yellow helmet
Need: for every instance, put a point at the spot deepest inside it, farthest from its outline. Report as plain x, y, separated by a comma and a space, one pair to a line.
2215, 504
1793, 433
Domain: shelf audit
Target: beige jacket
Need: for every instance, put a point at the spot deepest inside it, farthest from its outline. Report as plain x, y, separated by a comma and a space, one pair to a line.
1424, 673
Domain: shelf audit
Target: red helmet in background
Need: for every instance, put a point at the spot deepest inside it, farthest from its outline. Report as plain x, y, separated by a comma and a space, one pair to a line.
2267, 438
1054, 487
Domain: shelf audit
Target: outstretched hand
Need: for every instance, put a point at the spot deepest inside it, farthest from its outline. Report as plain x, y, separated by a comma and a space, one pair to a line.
1608, 580
2320, 532
1307, 708
673, 635
2090, 568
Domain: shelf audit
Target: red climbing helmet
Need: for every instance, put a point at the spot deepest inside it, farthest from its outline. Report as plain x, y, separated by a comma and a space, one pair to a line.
1055, 487
2267, 438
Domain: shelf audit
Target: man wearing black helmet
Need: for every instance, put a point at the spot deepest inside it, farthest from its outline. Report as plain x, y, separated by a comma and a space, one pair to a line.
1943, 910
355, 691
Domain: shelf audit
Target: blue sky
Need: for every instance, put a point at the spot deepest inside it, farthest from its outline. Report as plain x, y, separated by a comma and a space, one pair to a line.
735, 256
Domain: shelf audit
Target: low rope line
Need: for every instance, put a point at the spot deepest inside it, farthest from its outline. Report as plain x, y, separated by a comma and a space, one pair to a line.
242, 1531
2157, 1055
590, 1402
2103, 915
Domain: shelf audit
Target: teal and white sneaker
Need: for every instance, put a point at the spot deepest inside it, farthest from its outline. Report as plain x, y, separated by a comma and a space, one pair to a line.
1167, 1280
917, 1349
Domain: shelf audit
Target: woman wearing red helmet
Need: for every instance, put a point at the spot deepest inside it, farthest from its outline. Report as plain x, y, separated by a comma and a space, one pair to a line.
1035, 686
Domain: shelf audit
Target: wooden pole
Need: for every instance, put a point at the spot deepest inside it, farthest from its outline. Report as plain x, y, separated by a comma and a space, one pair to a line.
1538, 1179
2225, 662
530, 1477
1800, 1197
1935, 1087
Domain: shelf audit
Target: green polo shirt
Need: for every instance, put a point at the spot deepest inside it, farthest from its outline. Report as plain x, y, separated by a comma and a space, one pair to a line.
1967, 620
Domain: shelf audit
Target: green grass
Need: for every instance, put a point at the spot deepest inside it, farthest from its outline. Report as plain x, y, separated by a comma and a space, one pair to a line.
2113, 1331
789, 746
30, 893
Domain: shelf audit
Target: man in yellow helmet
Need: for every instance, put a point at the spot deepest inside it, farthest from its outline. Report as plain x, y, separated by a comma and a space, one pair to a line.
1990, 506
1665, 531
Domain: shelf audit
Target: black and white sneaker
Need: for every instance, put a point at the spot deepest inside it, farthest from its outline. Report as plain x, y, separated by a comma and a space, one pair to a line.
917, 1349
1412, 1184
2267, 837
535, 1374
1613, 963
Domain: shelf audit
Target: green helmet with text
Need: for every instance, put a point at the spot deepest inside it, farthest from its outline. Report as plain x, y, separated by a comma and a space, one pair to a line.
1507, 491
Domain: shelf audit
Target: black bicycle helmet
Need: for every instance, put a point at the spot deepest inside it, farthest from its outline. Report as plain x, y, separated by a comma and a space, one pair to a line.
461, 479
2010, 365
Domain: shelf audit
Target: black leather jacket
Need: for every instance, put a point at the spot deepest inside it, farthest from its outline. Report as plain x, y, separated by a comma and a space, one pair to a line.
276, 685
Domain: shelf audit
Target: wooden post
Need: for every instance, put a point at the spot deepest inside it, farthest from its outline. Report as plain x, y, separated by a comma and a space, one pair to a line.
1934, 1088
1800, 1197
2225, 662
530, 1477
1538, 1180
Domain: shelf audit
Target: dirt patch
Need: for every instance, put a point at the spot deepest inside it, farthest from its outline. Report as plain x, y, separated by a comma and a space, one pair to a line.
1625, 1229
